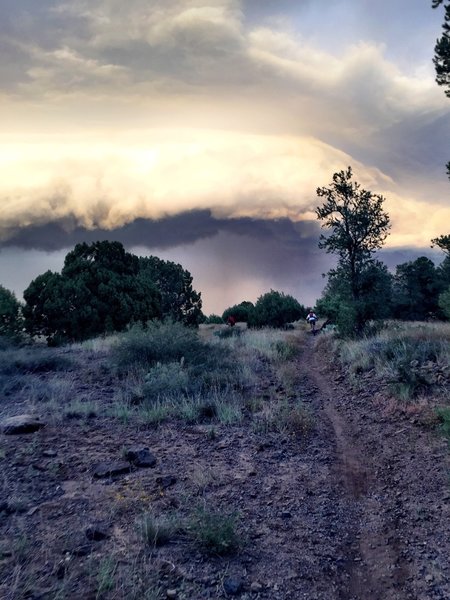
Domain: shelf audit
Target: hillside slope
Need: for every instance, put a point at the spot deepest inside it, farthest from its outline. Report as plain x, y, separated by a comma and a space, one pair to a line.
347, 500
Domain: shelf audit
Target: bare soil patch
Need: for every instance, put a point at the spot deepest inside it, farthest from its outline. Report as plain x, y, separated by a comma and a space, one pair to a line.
357, 508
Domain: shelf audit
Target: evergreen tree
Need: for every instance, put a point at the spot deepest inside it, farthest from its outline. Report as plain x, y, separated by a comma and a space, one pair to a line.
275, 309
98, 290
358, 227
10, 314
416, 290
443, 272
441, 58
179, 301
374, 302
241, 312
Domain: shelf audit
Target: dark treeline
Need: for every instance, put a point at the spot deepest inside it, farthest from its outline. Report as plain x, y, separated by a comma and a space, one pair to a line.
102, 289
360, 288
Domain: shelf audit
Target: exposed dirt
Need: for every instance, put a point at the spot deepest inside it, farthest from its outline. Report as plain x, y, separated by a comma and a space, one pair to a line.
357, 509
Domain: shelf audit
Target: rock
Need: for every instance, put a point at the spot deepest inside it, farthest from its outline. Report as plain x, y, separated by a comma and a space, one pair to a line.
103, 470
96, 532
255, 587
39, 467
171, 594
21, 424
166, 481
232, 585
141, 457
82, 550
77, 545
49, 453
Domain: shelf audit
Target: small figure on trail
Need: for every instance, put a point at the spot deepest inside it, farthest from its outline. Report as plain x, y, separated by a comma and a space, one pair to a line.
231, 321
312, 319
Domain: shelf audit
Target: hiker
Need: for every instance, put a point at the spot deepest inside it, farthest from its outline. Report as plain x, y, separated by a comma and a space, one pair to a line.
312, 319
231, 321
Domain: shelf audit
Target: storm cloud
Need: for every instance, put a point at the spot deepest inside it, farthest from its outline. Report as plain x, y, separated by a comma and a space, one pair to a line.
231, 259
228, 257
176, 124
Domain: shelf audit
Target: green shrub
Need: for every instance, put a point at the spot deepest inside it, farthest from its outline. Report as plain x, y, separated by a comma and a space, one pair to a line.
275, 309
411, 358
213, 320
222, 406
32, 389
188, 410
241, 312
228, 412
32, 360
272, 344
166, 380
286, 349
443, 415
121, 411
154, 414
158, 342
80, 409
285, 419
106, 576
228, 332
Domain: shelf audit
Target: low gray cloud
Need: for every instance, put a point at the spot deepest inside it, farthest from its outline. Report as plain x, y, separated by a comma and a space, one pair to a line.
231, 259
178, 230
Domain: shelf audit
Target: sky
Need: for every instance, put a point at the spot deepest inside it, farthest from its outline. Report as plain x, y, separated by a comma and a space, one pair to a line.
199, 130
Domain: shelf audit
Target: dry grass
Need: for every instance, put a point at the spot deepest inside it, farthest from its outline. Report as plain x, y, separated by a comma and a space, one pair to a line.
413, 358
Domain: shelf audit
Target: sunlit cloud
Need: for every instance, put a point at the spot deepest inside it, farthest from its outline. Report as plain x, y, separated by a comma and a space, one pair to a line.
95, 185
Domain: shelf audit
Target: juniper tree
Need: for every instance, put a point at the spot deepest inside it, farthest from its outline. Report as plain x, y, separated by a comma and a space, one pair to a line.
98, 290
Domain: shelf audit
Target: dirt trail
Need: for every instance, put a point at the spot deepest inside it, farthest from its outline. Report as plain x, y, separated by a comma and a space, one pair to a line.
372, 468
373, 566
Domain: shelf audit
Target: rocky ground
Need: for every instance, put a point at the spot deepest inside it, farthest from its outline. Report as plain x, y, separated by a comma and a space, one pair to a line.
355, 508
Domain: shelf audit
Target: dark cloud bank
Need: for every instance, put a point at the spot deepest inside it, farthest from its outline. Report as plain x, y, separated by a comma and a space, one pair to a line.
179, 230
224, 255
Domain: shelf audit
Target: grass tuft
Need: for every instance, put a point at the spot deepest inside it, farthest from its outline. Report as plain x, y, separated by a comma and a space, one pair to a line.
443, 415
215, 532
285, 418
156, 531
